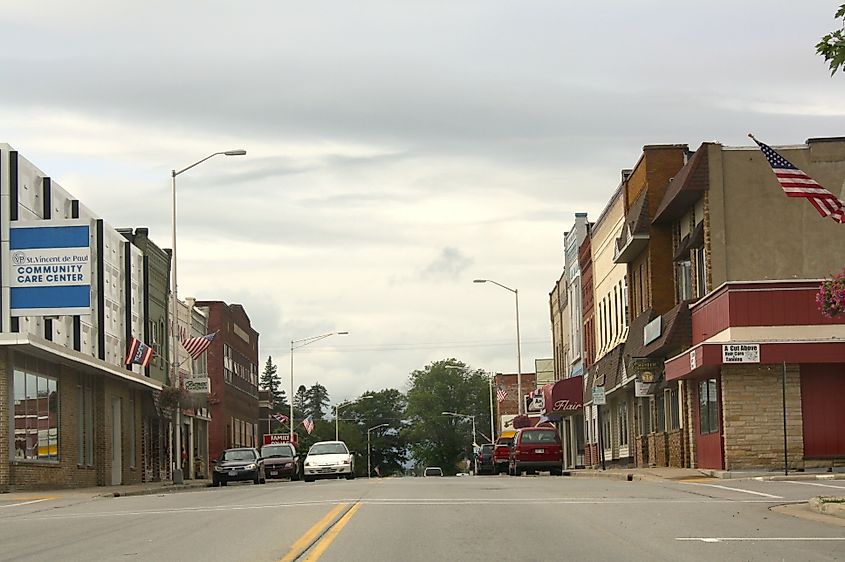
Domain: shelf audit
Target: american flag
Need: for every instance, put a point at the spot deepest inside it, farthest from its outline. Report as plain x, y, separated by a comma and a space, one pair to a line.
196, 346
501, 394
309, 424
139, 353
796, 183
281, 418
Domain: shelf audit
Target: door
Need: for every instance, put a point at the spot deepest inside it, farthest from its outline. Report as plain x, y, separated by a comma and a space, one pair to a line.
116, 443
708, 425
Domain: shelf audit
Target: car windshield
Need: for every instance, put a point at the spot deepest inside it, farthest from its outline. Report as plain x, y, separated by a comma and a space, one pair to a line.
505, 442
238, 455
276, 451
488, 448
328, 449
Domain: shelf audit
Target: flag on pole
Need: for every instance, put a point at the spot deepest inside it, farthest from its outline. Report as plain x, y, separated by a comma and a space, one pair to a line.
196, 346
281, 418
796, 183
309, 424
139, 353
501, 394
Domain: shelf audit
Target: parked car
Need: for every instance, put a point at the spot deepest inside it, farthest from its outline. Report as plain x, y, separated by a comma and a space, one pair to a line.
238, 464
433, 471
281, 460
484, 459
329, 459
536, 449
502, 451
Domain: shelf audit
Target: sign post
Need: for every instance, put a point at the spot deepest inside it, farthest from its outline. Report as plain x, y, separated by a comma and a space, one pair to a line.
599, 400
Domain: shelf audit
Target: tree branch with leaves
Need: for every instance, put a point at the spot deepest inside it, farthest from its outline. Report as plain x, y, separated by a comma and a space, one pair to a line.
832, 45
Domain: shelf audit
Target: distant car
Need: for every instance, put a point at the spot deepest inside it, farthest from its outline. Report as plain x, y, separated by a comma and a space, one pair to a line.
484, 459
238, 464
328, 459
433, 471
502, 452
281, 461
536, 449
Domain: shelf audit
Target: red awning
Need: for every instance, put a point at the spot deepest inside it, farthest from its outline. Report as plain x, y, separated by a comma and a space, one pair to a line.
563, 397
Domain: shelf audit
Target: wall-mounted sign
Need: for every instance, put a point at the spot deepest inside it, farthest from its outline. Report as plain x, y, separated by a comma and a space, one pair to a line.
599, 398
642, 389
741, 353
197, 383
534, 404
647, 370
693, 360
48, 267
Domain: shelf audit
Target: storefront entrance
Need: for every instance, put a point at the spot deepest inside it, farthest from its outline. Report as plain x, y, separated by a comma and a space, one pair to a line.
708, 427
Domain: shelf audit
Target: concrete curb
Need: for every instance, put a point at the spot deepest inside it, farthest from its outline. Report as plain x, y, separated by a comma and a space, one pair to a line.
169, 489
825, 506
804, 476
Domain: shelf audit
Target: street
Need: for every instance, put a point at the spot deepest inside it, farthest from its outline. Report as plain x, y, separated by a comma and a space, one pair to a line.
469, 518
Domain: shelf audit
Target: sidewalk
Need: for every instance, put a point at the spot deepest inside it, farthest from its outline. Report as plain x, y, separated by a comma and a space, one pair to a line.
149, 488
670, 473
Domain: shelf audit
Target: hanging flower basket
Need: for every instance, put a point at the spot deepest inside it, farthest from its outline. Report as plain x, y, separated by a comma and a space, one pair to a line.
171, 398
831, 295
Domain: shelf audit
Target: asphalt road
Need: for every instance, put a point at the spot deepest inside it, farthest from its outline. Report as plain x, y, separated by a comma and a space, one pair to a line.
467, 519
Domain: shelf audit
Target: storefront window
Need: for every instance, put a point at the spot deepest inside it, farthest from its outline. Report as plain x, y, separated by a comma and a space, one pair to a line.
623, 424
673, 418
36, 411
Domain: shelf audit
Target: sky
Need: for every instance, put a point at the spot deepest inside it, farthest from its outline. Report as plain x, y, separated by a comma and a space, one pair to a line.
395, 150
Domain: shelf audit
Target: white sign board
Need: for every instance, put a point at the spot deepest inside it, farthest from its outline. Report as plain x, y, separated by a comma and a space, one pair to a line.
741, 353
642, 389
599, 398
198, 384
49, 267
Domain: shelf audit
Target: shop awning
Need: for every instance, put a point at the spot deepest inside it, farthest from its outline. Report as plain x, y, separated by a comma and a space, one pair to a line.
564, 397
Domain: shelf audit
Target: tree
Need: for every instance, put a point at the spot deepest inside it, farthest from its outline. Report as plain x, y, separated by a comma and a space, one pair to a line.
317, 401
445, 386
832, 45
271, 382
389, 448
300, 402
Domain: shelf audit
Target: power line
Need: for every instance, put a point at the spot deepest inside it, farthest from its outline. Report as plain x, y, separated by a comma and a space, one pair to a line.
404, 346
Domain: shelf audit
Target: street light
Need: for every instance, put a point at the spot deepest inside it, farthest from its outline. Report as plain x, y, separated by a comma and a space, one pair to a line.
515, 292
369, 470
177, 472
296, 344
472, 441
341, 405
492, 414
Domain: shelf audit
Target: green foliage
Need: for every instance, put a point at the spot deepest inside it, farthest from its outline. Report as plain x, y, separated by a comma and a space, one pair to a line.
271, 381
300, 402
317, 401
445, 386
832, 45
388, 447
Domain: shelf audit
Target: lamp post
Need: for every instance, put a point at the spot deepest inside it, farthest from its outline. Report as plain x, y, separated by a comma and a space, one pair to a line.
369, 470
338, 407
174, 363
515, 292
296, 344
472, 441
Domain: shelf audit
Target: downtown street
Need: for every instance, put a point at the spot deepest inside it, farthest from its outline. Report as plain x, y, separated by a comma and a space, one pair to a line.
448, 518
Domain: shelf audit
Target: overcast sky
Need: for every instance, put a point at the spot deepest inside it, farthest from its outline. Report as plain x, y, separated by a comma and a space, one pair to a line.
396, 150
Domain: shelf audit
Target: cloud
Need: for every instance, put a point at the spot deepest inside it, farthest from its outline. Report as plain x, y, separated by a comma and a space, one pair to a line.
447, 266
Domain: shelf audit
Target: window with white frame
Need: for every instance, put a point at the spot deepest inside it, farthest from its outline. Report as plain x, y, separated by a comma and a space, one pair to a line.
683, 270
699, 257
622, 417
606, 430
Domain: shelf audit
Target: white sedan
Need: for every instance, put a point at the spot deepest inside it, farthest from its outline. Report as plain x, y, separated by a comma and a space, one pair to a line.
328, 459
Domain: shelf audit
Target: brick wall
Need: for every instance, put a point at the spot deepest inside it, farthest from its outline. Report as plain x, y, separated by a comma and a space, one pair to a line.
689, 424
752, 414
658, 446
675, 445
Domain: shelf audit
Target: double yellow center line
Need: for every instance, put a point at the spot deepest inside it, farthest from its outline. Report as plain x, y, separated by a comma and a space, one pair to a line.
317, 539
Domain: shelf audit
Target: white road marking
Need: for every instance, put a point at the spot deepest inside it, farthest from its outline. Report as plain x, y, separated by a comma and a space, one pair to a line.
757, 539
814, 484
735, 490
24, 503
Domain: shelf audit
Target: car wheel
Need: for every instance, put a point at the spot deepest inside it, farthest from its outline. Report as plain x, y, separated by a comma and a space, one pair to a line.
350, 476
214, 481
557, 471
257, 479
308, 478
223, 482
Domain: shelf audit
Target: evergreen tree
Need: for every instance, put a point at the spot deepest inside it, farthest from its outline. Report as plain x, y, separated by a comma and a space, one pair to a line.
300, 402
317, 401
271, 381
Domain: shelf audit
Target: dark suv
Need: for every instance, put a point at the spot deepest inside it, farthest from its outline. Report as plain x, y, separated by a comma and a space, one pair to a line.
281, 461
536, 449
484, 459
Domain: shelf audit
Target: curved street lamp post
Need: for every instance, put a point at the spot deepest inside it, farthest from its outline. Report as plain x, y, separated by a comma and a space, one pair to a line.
174, 363
338, 407
294, 345
369, 470
515, 292
472, 441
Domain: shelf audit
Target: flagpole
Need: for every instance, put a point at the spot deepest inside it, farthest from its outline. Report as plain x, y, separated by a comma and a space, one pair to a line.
492, 429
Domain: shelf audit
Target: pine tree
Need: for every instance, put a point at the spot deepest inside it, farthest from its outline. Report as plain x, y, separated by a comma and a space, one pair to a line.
271, 381
300, 402
317, 401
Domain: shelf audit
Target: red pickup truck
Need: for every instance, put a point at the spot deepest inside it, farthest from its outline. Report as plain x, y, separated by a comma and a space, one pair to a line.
501, 454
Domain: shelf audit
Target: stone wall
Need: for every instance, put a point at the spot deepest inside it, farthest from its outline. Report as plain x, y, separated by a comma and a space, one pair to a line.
675, 446
752, 416
657, 449
641, 450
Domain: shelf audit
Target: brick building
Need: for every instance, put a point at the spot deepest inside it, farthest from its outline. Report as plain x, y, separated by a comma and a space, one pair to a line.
508, 409
233, 369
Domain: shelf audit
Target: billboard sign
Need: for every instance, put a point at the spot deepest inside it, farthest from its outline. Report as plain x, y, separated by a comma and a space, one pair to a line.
49, 267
